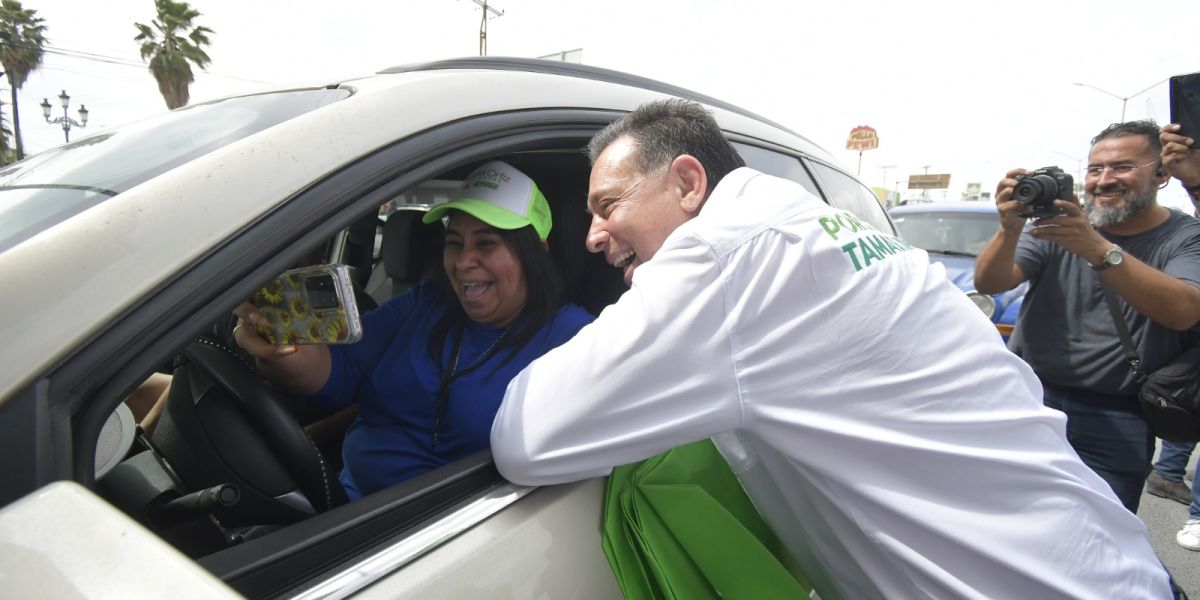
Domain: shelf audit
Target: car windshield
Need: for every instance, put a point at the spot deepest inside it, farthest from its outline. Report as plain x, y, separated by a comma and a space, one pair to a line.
55, 185
957, 233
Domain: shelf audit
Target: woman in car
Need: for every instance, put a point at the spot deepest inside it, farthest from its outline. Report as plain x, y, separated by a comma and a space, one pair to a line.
433, 363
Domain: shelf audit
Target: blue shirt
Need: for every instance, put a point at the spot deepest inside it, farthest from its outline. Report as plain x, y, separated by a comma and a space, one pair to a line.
396, 384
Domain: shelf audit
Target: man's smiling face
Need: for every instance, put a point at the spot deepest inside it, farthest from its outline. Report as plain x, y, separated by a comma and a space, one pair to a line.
1113, 198
632, 212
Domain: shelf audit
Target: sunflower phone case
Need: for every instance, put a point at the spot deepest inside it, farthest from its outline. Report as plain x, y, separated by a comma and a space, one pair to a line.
309, 305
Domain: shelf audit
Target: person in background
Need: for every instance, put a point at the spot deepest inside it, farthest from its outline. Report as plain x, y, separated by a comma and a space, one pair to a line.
1183, 163
431, 368
837, 369
1122, 240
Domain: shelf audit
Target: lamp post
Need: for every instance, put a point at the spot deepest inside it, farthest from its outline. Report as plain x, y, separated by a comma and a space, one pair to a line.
1078, 165
66, 119
885, 168
1123, 99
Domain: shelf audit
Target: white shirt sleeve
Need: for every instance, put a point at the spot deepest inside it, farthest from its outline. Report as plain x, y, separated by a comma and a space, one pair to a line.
654, 371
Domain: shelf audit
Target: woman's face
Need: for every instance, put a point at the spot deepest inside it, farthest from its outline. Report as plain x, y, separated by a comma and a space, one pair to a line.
483, 270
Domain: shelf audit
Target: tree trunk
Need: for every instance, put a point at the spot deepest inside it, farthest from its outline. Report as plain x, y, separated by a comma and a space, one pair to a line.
16, 122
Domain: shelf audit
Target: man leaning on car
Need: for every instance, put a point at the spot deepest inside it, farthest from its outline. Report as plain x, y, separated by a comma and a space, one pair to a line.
1122, 239
836, 365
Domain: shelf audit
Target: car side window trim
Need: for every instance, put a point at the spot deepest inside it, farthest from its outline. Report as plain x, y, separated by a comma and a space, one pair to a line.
387, 560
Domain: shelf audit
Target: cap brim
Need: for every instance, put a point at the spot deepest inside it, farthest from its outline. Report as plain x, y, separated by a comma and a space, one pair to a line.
484, 211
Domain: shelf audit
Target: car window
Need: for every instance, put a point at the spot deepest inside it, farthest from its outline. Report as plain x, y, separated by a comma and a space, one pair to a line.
947, 232
777, 164
50, 187
846, 193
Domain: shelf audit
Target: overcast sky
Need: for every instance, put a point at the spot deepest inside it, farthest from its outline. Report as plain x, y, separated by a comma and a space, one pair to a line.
966, 88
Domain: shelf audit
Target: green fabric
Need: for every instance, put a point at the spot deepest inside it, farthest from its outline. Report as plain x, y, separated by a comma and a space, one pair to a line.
679, 526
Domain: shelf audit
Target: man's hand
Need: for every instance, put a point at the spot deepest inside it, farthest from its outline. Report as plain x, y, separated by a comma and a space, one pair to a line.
1180, 160
1008, 208
1072, 231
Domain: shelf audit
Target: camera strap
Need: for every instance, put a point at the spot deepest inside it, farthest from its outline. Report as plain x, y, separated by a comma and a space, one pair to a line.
1131, 353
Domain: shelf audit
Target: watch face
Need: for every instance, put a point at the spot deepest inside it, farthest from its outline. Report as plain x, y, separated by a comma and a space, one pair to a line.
1114, 257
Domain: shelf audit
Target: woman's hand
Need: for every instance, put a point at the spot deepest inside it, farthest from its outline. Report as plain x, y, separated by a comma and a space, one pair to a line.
300, 370
245, 334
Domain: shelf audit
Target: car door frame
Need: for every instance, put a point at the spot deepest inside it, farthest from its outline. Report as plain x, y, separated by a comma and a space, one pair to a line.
50, 427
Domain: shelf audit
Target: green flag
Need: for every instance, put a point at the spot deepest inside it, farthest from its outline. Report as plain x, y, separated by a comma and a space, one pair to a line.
679, 526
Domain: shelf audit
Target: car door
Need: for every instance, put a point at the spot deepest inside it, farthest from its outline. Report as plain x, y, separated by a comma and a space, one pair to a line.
51, 427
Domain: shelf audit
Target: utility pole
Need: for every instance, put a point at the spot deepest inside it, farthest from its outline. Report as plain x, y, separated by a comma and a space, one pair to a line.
483, 24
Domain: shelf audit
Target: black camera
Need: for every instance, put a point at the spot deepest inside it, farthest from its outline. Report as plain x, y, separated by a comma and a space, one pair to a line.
1037, 191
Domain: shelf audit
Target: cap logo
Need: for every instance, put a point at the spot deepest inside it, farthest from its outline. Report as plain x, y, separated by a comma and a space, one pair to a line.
490, 176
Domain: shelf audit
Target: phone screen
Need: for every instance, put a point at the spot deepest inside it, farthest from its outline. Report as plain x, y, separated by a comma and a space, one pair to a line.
1185, 104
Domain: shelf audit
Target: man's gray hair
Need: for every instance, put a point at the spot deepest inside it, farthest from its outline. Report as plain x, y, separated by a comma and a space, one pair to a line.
663, 130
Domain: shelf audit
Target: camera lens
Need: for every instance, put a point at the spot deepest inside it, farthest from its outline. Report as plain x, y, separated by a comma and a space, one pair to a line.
321, 292
1031, 189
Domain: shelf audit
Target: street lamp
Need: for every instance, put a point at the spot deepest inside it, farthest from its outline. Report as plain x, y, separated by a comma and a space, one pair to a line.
885, 168
1078, 164
65, 120
1123, 99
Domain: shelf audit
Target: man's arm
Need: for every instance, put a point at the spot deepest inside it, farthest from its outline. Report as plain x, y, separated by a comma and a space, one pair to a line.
654, 371
1162, 298
995, 268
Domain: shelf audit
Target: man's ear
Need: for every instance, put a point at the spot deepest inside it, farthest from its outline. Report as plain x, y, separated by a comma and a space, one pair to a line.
690, 181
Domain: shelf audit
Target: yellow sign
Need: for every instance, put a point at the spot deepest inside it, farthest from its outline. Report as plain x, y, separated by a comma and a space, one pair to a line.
862, 138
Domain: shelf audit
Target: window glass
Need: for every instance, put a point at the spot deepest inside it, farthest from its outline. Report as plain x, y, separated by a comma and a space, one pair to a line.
777, 164
847, 193
50, 187
947, 232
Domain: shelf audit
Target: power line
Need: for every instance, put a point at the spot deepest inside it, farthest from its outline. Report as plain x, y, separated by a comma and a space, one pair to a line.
125, 62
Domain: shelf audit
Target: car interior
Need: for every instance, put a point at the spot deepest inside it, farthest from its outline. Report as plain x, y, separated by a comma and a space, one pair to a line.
230, 459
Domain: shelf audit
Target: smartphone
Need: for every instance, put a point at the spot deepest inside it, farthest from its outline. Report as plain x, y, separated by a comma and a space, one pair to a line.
309, 305
1185, 104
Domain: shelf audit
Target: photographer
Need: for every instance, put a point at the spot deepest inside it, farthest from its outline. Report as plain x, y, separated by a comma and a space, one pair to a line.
1147, 254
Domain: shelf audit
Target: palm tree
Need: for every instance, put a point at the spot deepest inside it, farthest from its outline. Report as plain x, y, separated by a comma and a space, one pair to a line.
22, 37
170, 46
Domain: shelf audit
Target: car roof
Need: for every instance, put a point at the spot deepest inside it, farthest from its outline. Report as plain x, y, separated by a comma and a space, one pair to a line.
944, 207
111, 255
581, 71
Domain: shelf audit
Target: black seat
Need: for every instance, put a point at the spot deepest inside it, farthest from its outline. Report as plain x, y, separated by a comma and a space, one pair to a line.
410, 252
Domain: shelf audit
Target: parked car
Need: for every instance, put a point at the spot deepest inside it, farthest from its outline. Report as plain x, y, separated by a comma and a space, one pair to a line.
120, 250
953, 233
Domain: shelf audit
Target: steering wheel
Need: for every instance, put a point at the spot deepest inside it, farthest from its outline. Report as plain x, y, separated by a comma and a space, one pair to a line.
224, 424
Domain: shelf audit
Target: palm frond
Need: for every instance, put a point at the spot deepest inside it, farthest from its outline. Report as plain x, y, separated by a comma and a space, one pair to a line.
171, 45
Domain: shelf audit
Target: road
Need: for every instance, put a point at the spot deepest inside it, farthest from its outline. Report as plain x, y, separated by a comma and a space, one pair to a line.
1165, 517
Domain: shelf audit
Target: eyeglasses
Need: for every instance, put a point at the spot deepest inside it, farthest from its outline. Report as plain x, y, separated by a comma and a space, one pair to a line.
1116, 170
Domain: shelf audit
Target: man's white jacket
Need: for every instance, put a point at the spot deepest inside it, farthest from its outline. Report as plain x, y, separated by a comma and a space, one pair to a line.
870, 409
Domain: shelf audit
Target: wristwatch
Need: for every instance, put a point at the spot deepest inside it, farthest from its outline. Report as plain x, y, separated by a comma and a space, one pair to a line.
1112, 258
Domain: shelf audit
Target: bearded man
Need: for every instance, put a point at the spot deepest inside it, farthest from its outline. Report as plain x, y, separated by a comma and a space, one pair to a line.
1121, 239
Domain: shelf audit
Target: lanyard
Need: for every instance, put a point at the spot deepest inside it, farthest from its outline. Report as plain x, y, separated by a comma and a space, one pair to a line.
443, 397
448, 377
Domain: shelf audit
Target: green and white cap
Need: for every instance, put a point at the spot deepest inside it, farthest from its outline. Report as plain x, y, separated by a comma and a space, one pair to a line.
500, 196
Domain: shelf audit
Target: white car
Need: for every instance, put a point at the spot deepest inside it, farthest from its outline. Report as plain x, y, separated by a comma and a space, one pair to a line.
120, 250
